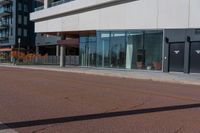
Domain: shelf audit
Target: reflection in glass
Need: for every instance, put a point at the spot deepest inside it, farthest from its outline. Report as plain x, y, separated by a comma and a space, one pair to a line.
132, 49
135, 42
153, 49
103, 50
118, 49
88, 51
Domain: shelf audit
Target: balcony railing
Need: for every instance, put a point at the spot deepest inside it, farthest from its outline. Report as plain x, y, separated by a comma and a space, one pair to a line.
3, 25
4, 12
60, 2
3, 38
5, 2
39, 8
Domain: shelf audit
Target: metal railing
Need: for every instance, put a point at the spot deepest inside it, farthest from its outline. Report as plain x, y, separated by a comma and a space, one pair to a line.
2, 38
53, 60
3, 24
60, 2
3, 10
39, 8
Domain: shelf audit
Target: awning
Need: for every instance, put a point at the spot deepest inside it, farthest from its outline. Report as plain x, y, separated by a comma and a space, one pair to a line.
69, 42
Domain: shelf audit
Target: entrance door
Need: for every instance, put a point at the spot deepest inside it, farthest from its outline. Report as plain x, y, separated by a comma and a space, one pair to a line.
195, 57
176, 60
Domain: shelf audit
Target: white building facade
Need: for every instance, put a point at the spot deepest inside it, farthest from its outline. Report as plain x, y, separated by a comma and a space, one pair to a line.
128, 34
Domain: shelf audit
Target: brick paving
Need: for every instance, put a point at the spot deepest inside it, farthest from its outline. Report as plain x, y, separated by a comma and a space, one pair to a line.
173, 77
47, 101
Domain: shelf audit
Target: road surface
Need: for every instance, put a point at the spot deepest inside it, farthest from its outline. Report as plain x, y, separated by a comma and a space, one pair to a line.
35, 101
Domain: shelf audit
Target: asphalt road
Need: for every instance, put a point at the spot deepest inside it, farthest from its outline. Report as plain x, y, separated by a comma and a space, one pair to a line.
34, 101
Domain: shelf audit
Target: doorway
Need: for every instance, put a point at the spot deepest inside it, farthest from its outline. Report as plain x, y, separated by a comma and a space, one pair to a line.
195, 57
176, 59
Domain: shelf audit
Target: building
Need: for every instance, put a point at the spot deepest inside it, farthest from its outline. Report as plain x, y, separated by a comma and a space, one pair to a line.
159, 35
16, 31
45, 43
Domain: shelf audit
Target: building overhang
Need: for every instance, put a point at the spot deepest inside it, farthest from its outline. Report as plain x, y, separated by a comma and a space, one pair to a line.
69, 42
73, 7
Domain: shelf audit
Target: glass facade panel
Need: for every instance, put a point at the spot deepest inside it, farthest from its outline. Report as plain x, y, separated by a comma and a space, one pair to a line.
88, 46
134, 58
83, 51
117, 47
103, 50
133, 49
92, 51
153, 49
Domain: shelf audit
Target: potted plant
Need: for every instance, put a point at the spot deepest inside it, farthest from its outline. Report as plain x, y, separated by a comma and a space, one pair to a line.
157, 64
140, 64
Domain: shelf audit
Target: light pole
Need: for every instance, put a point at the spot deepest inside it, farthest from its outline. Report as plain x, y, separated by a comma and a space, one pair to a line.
19, 43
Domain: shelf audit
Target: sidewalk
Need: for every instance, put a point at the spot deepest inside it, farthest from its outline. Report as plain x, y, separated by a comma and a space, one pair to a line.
181, 78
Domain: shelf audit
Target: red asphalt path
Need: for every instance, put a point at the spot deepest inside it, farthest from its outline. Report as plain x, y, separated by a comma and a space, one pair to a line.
35, 101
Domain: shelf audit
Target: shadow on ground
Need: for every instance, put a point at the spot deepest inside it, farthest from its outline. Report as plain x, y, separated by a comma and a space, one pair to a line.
95, 116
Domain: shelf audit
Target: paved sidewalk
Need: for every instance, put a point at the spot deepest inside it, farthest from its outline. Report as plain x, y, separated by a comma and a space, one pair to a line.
181, 78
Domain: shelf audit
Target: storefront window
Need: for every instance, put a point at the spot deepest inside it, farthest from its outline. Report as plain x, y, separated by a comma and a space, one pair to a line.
133, 49
153, 50
134, 52
88, 51
118, 52
83, 48
103, 50
92, 51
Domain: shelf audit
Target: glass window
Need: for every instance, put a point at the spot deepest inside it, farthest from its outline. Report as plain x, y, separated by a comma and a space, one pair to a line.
144, 50
19, 31
25, 20
103, 50
88, 51
83, 51
19, 19
20, 6
25, 8
134, 50
153, 49
117, 47
25, 33
92, 51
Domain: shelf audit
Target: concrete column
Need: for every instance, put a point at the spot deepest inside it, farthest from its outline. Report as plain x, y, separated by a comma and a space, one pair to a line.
166, 55
62, 56
187, 55
57, 50
46, 4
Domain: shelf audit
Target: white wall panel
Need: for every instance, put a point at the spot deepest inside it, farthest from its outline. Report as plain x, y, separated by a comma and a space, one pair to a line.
141, 14
89, 20
70, 23
194, 13
113, 17
54, 25
173, 13
41, 26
